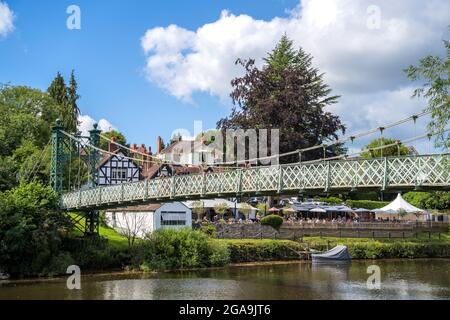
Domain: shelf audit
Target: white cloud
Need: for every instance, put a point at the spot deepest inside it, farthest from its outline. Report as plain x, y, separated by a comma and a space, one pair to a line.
87, 123
362, 64
6, 19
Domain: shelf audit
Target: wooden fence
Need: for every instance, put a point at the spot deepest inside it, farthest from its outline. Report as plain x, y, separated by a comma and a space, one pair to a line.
296, 231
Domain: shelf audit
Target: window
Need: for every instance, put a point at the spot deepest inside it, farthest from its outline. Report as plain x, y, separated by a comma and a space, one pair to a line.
173, 218
119, 173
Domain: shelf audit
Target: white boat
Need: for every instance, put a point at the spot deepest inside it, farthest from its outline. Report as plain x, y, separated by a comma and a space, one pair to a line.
338, 253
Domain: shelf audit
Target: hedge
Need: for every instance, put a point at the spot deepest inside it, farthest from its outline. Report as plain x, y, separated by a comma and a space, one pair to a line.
272, 220
262, 250
366, 204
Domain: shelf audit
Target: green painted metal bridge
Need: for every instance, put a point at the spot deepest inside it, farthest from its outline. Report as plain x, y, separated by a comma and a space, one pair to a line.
389, 173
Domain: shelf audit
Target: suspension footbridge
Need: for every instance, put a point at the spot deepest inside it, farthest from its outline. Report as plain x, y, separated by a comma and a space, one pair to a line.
73, 154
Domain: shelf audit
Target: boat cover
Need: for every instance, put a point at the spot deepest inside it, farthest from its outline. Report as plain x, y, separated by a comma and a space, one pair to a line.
337, 253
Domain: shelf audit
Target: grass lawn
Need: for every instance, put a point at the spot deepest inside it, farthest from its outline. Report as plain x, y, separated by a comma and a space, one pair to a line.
423, 238
114, 238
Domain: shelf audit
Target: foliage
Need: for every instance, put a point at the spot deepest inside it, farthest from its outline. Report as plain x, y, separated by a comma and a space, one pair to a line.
198, 208
434, 71
439, 200
221, 208
272, 220
168, 249
30, 229
66, 98
262, 250
209, 230
366, 204
288, 94
112, 134
331, 200
262, 207
245, 209
395, 150
25, 128
374, 249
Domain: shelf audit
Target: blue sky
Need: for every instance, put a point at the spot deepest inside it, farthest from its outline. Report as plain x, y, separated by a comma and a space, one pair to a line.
147, 79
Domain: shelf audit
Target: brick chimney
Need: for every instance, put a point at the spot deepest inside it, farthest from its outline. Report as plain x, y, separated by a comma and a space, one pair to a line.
112, 147
158, 145
133, 147
143, 149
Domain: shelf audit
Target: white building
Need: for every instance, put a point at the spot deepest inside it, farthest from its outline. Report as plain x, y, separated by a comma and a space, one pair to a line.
189, 152
144, 219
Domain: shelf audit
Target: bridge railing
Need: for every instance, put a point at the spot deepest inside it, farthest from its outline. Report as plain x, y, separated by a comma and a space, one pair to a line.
396, 172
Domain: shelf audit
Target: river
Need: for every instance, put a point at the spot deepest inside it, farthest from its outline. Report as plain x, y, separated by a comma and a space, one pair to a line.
400, 279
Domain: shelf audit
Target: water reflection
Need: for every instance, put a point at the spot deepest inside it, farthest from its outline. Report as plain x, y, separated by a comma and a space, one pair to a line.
402, 279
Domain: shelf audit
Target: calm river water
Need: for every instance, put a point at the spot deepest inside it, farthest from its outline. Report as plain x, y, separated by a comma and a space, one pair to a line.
400, 279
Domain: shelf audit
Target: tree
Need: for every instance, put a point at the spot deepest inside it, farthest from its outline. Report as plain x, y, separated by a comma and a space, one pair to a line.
398, 149
30, 229
132, 226
245, 209
263, 208
113, 134
72, 98
221, 208
67, 98
25, 129
435, 72
198, 208
288, 93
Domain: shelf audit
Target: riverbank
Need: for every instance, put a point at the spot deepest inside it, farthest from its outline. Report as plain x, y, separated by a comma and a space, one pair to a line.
401, 279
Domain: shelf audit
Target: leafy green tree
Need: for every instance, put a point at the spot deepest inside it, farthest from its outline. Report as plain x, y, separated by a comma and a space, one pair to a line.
198, 208
66, 97
25, 129
72, 98
438, 200
120, 138
30, 230
434, 71
395, 150
288, 93
221, 208
245, 209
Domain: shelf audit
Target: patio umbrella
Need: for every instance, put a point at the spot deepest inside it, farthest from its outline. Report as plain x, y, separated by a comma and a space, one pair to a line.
318, 210
273, 209
289, 210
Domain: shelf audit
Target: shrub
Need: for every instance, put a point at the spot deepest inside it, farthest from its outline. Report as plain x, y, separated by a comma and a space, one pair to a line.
272, 220
262, 250
30, 230
209, 230
331, 200
172, 249
366, 204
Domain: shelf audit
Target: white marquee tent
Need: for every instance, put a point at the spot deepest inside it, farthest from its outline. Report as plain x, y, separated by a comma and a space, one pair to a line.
399, 204
396, 207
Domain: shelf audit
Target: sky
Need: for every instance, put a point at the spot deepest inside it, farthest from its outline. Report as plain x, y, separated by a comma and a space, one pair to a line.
148, 68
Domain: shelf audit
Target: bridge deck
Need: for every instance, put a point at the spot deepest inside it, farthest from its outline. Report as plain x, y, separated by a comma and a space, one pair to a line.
430, 171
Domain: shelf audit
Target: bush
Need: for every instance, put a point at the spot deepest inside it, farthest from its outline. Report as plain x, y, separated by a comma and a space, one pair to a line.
262, 250
172, 249
96, 254
331, 200
30, 230
272, 220
209, 230
366, 204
